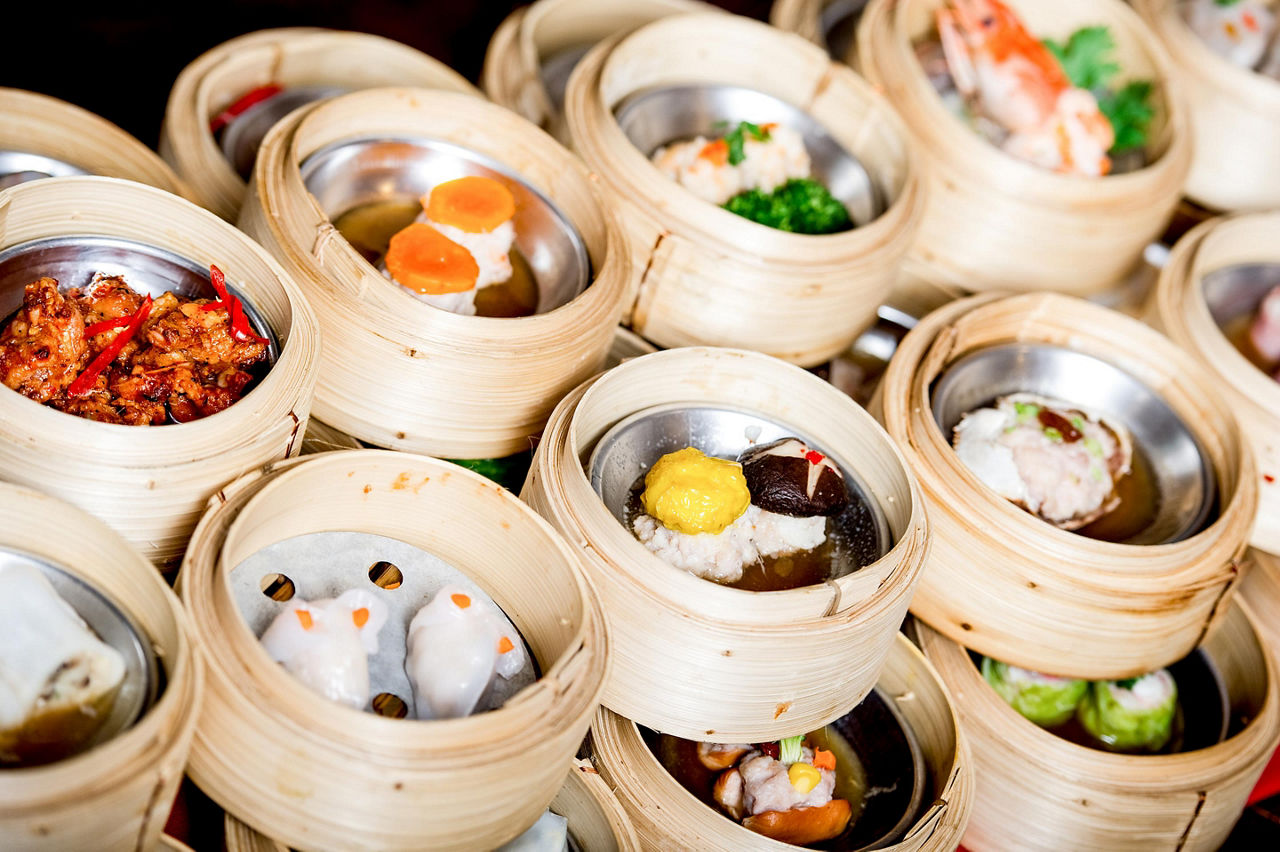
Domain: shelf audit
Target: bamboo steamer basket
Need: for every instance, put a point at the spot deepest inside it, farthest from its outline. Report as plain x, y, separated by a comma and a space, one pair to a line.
705, 661
667, 816
322, 438
151, 483
39, 124
802, 17
1234, 117
115, 796
1179, 309
513, 74
1013, 587
396, 372
704, 276
315, 774
288, 57
597, 821
1260, 595
1038, 791
988, 213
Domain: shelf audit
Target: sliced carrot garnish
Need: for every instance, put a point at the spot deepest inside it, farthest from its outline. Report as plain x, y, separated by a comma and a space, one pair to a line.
360, 616
473, 204
461, 601
304, 618
823, 759
504, 645
716, 152
426, 261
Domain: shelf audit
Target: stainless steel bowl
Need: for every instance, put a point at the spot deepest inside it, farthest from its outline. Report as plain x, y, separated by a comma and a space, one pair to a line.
1236, 291
349, 174
659, 116
74, 260
142, 678
21, 166
244, 133
634, 444
1183, 473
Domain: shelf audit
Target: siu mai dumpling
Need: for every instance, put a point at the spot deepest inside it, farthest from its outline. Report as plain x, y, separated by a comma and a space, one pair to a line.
326, 644
57, 680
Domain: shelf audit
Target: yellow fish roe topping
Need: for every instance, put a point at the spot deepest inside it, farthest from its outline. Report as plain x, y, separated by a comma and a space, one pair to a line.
690, 492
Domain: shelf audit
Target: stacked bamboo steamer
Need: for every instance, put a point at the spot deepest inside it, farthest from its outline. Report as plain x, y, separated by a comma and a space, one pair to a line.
597, 822
988, 213
38, 124
667, 816
1260, 594
396, 372
1012, 587
1179, 308
517, 69
1235, 117
316, 774
700, 275
151, 483
286, 57
116, 796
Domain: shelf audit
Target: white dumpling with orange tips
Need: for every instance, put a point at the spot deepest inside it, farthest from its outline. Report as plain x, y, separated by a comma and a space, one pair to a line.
457, 644
326, 644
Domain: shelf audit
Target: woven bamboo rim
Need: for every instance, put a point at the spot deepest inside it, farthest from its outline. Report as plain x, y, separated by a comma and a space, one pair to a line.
1178, 308
151, 483
116, 796
596, 821
289, 57
697, 659
1010, 586
1036, 791
667, 816
703, 276
988, 213
802, 17
512, 74
1234, 117
39, 124
316, 774
399, 373
1260, 595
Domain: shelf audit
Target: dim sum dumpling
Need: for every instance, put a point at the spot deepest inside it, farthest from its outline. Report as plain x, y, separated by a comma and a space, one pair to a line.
457, 644
326, 643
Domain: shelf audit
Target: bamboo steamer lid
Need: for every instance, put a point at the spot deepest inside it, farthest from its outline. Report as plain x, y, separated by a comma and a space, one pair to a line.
597, 821
1260, 595
288, 57
1179, 309
701, 660
995, 222
704, 276
1234, 117
529, 36
150, 483
396, 372
1013, 587
667, 816
316, 774
1036, 791
39, 124
114, 797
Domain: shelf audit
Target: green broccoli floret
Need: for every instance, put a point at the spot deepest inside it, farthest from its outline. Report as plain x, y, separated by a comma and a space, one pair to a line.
799, 206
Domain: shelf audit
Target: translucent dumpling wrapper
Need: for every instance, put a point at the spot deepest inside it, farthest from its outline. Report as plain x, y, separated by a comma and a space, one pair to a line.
57, 679
1046, 700
1056, 460
1131, 714
457, 644
549, 834
326, 644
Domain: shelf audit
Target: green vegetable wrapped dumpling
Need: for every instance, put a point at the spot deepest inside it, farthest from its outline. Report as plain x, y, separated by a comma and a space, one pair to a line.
1044, 699
1136, 713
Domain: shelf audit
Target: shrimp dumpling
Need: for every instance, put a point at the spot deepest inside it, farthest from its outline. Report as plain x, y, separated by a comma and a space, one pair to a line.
326, 644
456, 645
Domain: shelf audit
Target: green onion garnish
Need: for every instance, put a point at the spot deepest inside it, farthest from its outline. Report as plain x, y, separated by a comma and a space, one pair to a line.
789, 750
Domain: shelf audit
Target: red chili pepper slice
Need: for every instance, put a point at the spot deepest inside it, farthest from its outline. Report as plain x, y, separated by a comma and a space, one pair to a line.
86, 380
248, 99
106, 325
240, 328
814, 457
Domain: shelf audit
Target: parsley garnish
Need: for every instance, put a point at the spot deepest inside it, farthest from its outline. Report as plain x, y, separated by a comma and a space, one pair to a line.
1127, 683
1084, 57
1086, 60
737, 138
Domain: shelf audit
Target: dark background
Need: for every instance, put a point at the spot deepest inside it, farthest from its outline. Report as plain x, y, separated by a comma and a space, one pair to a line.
119, 59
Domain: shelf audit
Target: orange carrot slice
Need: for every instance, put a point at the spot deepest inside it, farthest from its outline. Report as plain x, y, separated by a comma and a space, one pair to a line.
360, 616
426, 261
461, 601
823, 759
473, 204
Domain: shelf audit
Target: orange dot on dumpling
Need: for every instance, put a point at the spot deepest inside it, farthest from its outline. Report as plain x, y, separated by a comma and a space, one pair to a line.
360, 616
473, 204
426, 261
304, 618
461, 601
504, 645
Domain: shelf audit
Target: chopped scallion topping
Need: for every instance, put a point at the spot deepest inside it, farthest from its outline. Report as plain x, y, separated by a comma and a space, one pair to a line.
790, 749
1053, 434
